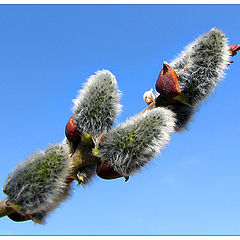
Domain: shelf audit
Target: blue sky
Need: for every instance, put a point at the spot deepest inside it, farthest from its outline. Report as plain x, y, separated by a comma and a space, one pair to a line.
48, 51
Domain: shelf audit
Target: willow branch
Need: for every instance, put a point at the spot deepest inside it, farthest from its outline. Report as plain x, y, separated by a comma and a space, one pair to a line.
82, 157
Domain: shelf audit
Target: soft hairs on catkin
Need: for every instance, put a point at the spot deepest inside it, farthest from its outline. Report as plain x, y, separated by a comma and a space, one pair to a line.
97, 105
37, 185
201, 66
132, 144
199, 69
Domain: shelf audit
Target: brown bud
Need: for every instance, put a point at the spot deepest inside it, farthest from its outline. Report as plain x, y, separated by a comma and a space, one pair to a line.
167, 83
71, 131
17, 217
233, 49
106, 172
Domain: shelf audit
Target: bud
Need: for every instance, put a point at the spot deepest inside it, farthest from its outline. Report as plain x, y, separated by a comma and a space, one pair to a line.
167, 82
149, 96
17, 217
71, 131
233, 49
105, 171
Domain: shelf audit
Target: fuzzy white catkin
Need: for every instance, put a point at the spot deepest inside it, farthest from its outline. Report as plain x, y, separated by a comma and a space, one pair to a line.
97, 105
132, 144
201, 65
38, 185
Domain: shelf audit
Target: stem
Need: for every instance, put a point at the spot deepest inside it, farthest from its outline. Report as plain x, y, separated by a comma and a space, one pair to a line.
82, 157
5, 209
149, 107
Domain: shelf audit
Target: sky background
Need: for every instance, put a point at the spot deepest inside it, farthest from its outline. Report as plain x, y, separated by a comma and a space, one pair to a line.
48, 51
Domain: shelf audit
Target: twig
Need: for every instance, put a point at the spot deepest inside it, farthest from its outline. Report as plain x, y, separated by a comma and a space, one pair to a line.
82, 157
5, 209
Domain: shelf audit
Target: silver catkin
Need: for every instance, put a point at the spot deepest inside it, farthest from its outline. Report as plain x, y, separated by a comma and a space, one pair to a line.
38, 185
97, 105
132, 144
201, 65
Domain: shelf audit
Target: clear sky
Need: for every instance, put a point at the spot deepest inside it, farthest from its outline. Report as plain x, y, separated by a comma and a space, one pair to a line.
48, 51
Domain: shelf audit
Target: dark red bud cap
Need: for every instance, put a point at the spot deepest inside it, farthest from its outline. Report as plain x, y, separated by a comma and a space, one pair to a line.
17, 217
167, 83
71, 131
106, 172
233, 49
